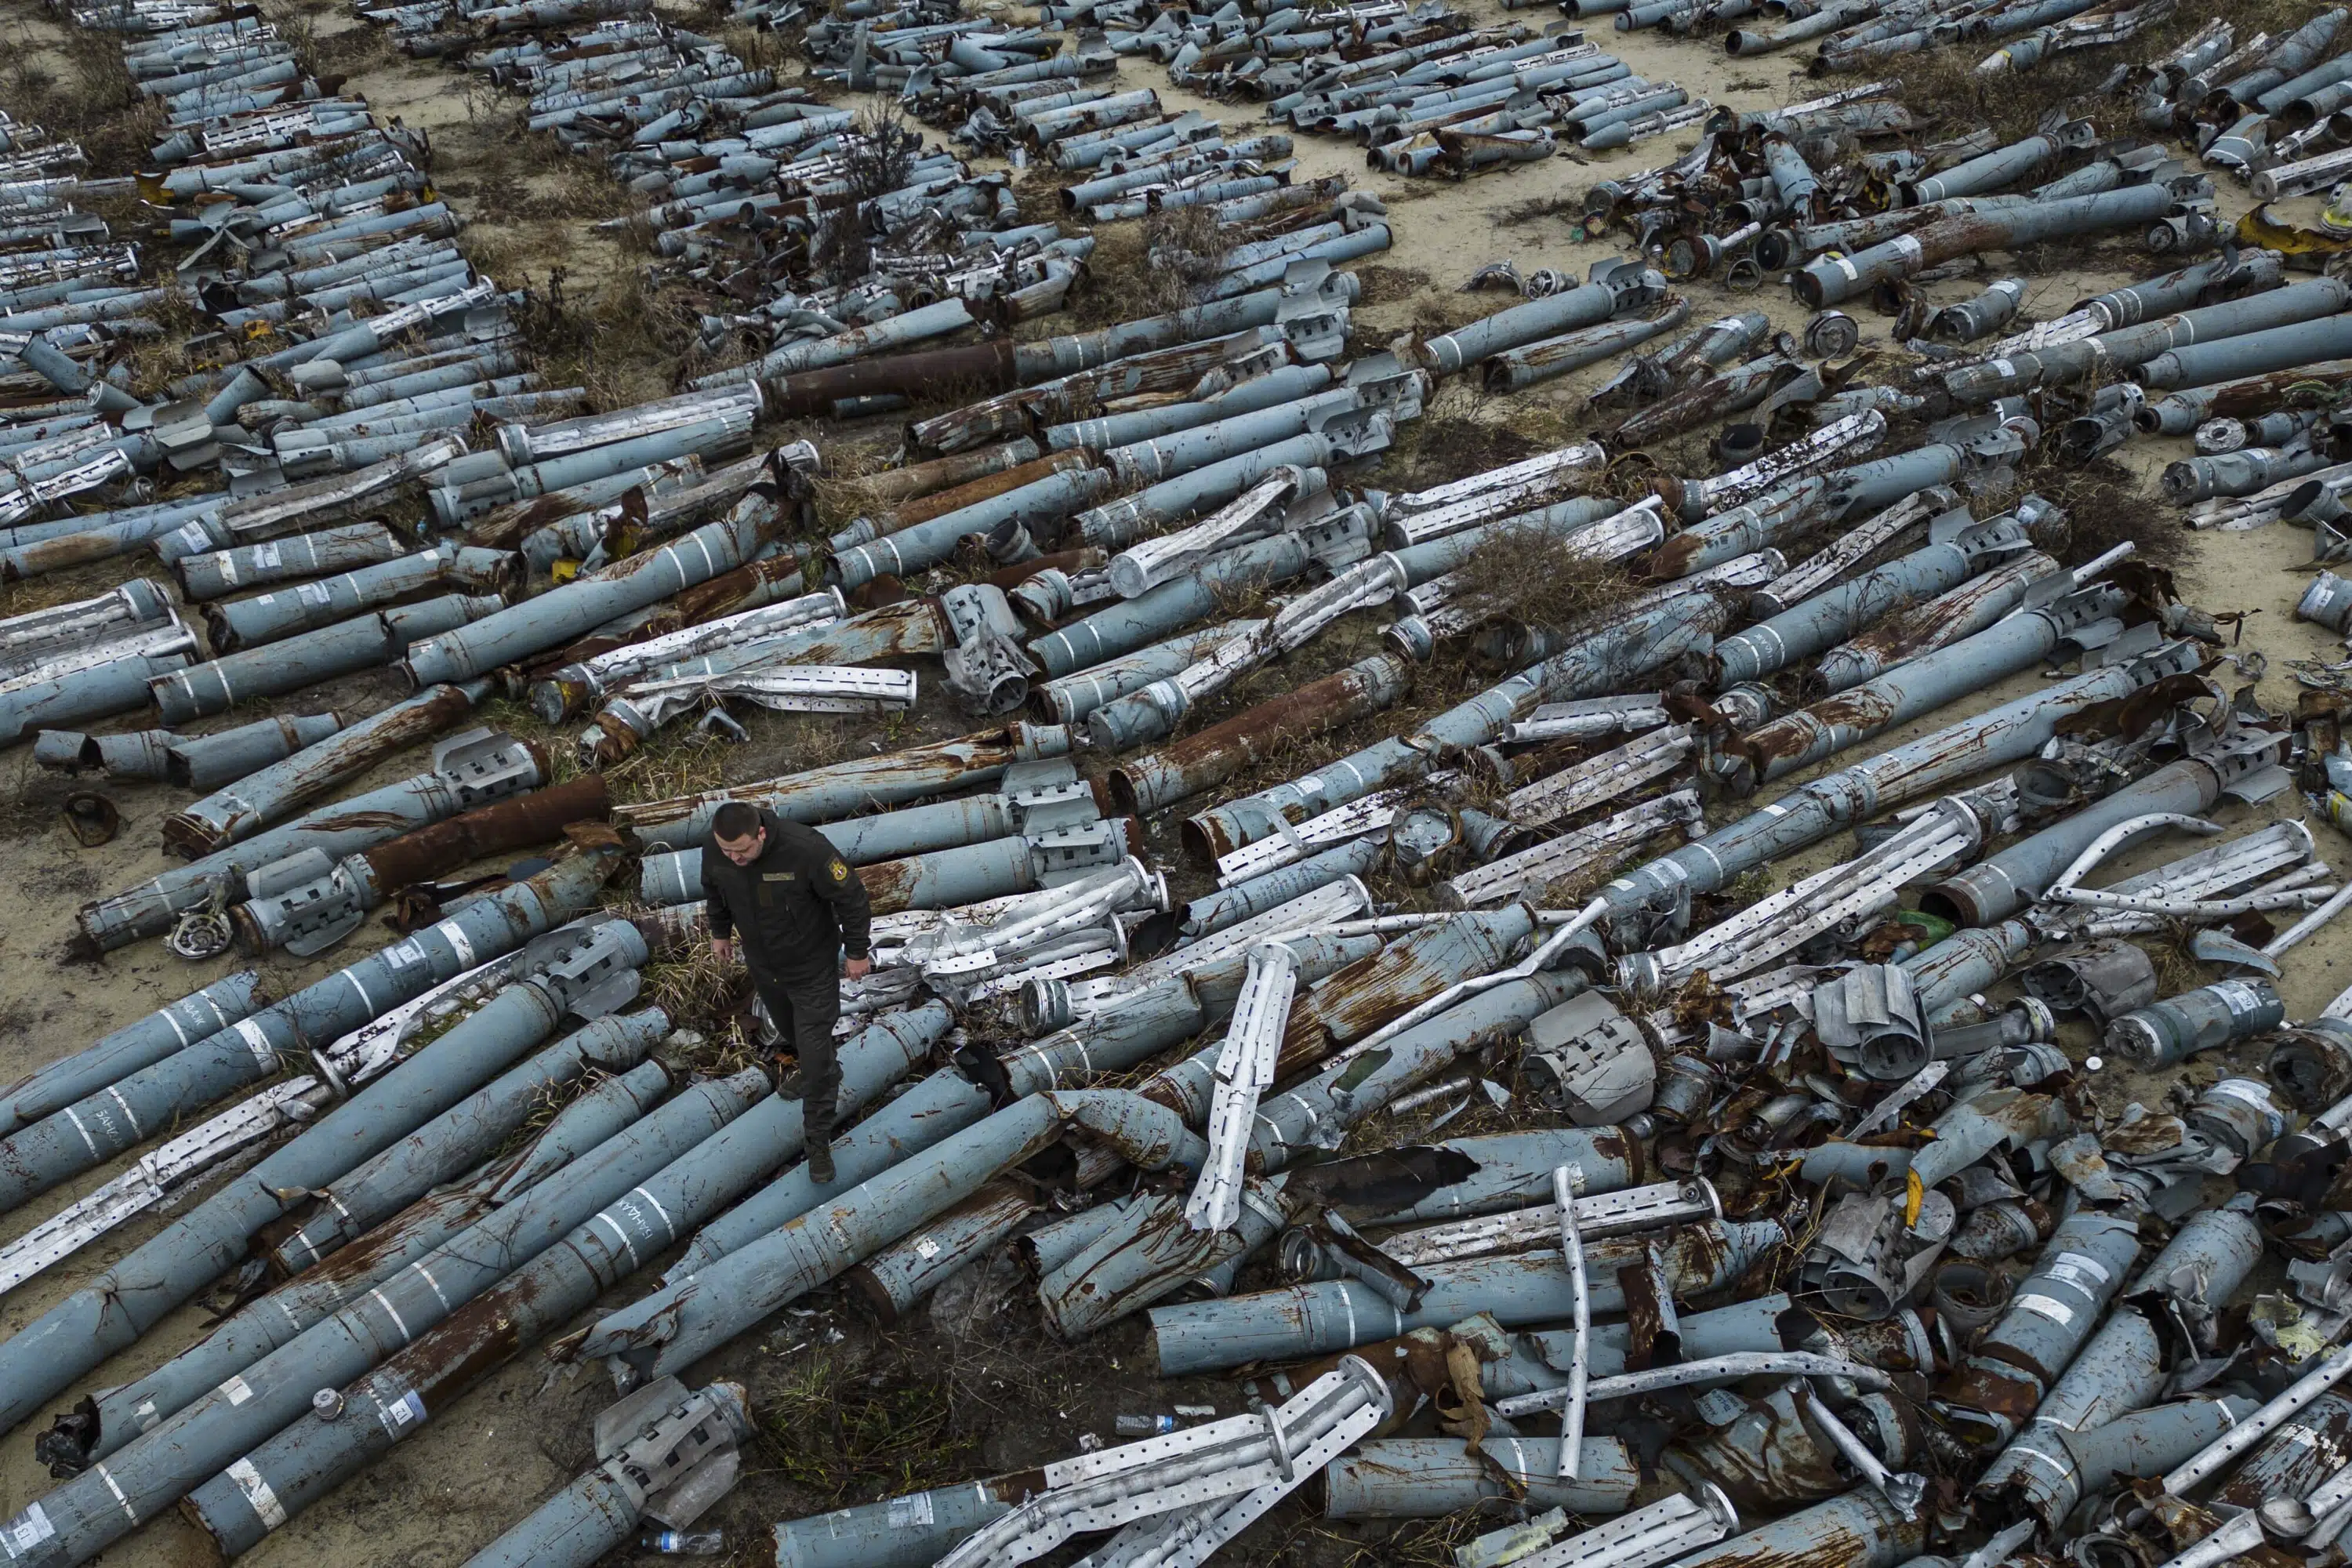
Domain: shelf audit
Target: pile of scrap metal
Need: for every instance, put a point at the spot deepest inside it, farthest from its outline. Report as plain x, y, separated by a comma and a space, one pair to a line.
2263, 108
272, 190
1954, 1277
1854, 35
1896, 1201
1790, 191
348, 357
2267, 109
1132, 157
1967, 1216
2226, 352
1424, 90
1183, 414
805, 233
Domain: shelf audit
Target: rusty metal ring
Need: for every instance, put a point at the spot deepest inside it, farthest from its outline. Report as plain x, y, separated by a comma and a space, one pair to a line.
91, 818
1831, 334
1968, 1296
1625, 465
200, 934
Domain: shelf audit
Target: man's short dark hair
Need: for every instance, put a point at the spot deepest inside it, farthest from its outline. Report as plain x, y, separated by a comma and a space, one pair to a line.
736, 820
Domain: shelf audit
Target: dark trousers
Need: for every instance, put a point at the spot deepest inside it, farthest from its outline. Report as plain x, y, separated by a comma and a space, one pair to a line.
803, 1010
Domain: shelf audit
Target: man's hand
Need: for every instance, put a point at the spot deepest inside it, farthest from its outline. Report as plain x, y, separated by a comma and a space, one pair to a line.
722, 949
858, 968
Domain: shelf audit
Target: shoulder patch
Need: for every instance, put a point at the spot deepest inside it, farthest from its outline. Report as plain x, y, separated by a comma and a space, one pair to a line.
840, 869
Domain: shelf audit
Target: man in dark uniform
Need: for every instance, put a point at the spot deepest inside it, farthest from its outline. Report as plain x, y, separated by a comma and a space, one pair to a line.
796, 906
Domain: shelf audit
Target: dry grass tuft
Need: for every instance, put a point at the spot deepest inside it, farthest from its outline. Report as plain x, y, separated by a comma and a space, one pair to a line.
627, 345
794, 742
1564, 208
1538, 579
1191, 238
1415, 1543
1942, 88
340, 53
849, 1439
547, 1104
2178, 967
54, 588
31, 798
875, 159
1391, 285
1039, 196
697, 992
2104, 508
682, 760
79, 90
1124, 283
156, 362
577, 191
1452, 440
841, 498
757, 47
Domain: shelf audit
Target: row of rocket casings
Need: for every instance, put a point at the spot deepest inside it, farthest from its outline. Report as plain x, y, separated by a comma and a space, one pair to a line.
1430, 72
1169, 583
1088, 113
1746, 201
2278, 304
1424, 93
648, 450
1027, 269
747, 184
368, 412
289, 640
2232, 325
65, 679
308, 182
379, 397
1011, 81
1156, 601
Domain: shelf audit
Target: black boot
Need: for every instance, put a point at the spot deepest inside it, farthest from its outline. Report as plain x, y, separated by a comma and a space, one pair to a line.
821, 1162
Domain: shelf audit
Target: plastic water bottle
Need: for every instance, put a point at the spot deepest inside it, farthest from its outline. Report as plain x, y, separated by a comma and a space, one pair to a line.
678, 1543
1144, 1426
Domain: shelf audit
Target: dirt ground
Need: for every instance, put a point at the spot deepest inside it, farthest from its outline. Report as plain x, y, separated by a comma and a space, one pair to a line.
972, 1385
